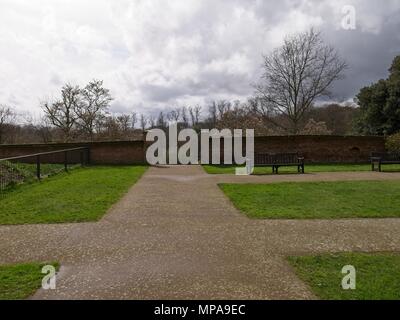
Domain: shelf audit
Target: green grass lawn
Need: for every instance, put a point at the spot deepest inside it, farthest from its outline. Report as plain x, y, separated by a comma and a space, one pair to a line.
84, 194
317, 200
311, 168
377, 275
22, 280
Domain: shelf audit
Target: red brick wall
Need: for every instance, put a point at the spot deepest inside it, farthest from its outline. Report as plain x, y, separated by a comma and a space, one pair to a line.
323, 148
318, 149
119, 152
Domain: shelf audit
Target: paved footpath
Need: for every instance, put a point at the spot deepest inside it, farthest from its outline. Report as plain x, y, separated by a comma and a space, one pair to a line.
175, 235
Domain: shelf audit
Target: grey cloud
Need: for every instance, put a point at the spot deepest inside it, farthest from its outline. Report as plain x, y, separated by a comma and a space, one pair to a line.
156, 54
368, 55
158, 93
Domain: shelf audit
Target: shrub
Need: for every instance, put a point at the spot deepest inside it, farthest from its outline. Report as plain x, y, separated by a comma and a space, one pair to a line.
316, 128
393, 143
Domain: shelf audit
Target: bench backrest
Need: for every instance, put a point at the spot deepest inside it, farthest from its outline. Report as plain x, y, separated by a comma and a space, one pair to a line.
386, 156
264, 158
279, 158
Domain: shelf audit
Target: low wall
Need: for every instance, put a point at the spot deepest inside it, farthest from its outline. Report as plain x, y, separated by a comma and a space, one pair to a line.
116, 152
315, 149
320, 149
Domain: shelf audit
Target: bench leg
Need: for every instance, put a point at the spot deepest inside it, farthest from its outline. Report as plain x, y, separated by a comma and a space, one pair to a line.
373, 166
302, 168
276, 169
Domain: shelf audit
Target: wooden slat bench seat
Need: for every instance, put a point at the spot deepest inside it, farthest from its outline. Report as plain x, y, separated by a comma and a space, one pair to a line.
279, 160
380, 158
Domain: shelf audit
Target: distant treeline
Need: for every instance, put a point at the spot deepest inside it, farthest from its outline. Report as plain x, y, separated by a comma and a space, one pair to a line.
323, 120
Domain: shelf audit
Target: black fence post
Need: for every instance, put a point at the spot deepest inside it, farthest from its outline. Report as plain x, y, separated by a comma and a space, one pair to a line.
88, 156
66, 161
81, 154
38, 167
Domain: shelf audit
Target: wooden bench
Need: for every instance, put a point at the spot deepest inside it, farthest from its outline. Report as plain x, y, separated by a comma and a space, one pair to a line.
380, 158
279, 160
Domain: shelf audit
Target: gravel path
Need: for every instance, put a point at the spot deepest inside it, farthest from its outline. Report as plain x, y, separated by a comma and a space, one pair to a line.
176, 236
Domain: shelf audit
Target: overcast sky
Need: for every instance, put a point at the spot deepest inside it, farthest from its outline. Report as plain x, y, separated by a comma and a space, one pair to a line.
156, 54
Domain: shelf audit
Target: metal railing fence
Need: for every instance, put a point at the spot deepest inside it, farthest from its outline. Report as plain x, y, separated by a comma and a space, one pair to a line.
15, 170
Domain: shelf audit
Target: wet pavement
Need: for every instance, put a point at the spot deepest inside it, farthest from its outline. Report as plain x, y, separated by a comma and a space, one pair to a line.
175, 235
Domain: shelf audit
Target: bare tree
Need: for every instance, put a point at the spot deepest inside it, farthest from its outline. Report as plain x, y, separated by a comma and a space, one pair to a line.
94, 104
192, 116
174, 115
124, 122
315, 128
111, 127
143, 122
213, 115
43, 130
236, 105
62, 112
184, 117
223, 107
134, 119
152, 121
295, 75
195, 113
161, 123
7, 117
